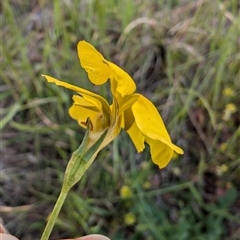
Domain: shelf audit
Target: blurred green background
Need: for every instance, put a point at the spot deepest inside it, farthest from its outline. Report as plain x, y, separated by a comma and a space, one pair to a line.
184, 56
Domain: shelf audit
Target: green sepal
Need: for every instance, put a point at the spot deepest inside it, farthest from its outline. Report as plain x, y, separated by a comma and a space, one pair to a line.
85, 141
81, 159
92, 150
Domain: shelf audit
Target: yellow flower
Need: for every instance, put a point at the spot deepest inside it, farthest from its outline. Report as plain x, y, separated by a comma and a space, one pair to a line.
228, 92
230, 108
221, 169
147, 185
130, 218
176, 171
125, 191
130, 111
223, 147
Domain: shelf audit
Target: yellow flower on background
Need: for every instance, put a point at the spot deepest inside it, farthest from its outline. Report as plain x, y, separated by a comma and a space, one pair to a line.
130, 111
147, 185
230, 108
228, 92
125, 191
130, 218
223, 147
221, 169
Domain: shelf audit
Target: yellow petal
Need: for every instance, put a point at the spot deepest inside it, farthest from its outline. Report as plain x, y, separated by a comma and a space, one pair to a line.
100, 70
136, 137
128, 119
161, 153
74, 88
86, 105
133, 131
118, 108
81, 91
127, 101
93, 62
121, 82
81, 110
150, 122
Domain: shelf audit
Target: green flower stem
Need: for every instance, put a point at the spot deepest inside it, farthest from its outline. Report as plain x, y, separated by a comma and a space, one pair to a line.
79, 163
54, 214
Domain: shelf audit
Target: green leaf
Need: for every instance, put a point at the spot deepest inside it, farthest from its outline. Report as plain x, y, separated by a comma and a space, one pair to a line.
12, 112
228, 198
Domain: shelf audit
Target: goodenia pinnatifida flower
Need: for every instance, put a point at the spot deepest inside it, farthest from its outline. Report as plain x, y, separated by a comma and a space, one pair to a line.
129, 110
103, 121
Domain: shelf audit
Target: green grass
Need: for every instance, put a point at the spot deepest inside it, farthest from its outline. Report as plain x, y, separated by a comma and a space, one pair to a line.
183, 55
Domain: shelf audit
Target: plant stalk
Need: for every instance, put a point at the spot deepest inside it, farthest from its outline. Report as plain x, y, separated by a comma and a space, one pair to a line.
54, 214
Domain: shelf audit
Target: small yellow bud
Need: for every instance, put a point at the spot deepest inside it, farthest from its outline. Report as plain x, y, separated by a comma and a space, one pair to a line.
222, 169
223, 147
129, 219
146, 185
229, 92
176, 171
125, 192
229, 110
